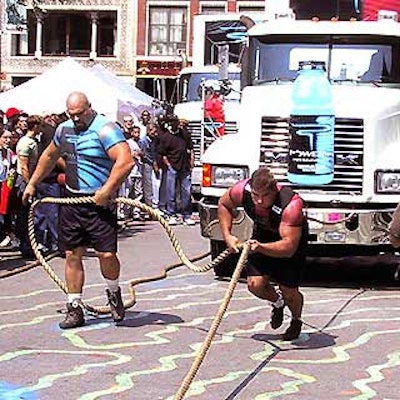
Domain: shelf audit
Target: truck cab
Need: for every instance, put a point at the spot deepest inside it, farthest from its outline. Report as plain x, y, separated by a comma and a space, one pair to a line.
351, 214
190, 108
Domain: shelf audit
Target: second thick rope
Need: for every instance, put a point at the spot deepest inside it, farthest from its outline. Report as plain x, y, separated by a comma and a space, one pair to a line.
133, 203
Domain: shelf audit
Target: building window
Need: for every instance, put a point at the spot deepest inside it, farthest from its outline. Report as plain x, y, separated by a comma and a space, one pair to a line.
251, 9
211, 10
167, 31
106, 35
70, 34
18, 44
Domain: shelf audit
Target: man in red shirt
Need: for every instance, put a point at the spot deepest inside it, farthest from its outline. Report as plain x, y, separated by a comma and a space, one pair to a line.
214, 114
278, 244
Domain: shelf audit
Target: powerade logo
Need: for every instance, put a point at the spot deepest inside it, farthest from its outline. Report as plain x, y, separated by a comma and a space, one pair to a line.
311, 145
305, 154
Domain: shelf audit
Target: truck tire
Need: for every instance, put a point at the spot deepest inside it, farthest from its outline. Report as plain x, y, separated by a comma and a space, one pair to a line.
226, 268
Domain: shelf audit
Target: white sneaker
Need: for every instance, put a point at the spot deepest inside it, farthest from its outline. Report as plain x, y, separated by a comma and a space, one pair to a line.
174, 221
5, 242
189, 221
15, 243
41, 247
120, 216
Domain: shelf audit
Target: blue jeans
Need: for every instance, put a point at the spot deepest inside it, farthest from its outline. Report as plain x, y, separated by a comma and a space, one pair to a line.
46, 215
182, 179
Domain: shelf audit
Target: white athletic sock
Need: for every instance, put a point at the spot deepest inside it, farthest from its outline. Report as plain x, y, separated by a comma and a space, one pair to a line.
113, 284
280, 302
74, 296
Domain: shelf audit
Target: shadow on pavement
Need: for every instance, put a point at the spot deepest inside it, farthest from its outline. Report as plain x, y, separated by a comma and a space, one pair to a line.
135, 319
381, 271
315, 340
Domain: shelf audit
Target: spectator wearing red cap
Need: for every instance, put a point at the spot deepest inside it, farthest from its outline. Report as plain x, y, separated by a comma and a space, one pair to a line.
12, 115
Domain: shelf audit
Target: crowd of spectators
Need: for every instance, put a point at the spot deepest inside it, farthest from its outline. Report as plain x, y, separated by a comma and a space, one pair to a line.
161, 177
164, 157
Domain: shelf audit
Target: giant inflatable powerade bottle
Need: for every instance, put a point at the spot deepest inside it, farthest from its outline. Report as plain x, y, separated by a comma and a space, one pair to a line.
311, 127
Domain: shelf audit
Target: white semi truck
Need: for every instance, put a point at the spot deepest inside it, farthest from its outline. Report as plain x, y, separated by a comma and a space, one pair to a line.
351, 214
190, 107
210, 65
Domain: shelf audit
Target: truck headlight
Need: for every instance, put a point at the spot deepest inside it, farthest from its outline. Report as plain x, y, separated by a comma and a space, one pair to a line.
223, 176
387, 182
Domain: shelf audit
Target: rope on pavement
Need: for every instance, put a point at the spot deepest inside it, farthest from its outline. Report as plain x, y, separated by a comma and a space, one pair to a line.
133, 203
27, 266
214, 326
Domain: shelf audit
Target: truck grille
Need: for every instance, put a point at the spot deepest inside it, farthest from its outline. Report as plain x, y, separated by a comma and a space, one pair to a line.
349, 160
194, 128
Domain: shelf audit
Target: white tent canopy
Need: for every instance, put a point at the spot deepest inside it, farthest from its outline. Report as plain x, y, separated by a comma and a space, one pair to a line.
126, 92
48, 92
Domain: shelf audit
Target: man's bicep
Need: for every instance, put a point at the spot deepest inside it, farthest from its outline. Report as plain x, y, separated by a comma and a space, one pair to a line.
52, 151
227, 201
291, 233
119, 151
23, 160
293, 213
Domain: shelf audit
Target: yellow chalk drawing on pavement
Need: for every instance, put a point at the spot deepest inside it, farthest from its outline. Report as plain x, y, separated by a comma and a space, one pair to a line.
33, 321
48, 380
155, 336
341, 353
375, 376
199, 387
167, 364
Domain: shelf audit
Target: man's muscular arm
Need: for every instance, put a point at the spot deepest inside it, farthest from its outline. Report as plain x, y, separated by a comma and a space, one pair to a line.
46, 163
225, 217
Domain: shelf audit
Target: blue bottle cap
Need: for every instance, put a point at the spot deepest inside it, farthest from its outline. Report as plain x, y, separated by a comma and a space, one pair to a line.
312, 65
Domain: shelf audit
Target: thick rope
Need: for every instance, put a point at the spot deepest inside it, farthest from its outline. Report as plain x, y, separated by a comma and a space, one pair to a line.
133, 203
26, 267
214, 326
184, 260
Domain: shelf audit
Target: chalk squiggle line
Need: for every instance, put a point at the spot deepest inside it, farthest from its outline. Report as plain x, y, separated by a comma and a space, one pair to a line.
356, 311
48, 380
200, 320
375, 376
40, 319
340, 352
96, 298
201, 303
156, 338
289, 387
358, 299
29, 294
199, 387
167, 364
95, 285
33, 321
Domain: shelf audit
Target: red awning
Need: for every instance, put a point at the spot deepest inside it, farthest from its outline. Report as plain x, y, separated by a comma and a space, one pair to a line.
371, 8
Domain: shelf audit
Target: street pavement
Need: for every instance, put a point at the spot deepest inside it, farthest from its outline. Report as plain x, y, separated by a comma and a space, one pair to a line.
349, 347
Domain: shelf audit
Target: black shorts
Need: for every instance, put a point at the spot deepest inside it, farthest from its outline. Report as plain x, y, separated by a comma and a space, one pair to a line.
285, 271
88, 225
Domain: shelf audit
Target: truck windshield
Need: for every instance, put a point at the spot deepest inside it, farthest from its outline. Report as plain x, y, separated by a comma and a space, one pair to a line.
348, 58
189, 85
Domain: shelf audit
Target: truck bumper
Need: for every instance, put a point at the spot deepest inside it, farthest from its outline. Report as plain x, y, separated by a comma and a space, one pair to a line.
326, 226
208, 211
197, 174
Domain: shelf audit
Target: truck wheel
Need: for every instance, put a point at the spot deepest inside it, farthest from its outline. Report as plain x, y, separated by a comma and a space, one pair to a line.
226, 268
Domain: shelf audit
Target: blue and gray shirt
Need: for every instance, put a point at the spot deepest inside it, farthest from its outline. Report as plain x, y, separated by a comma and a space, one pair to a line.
88, 165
